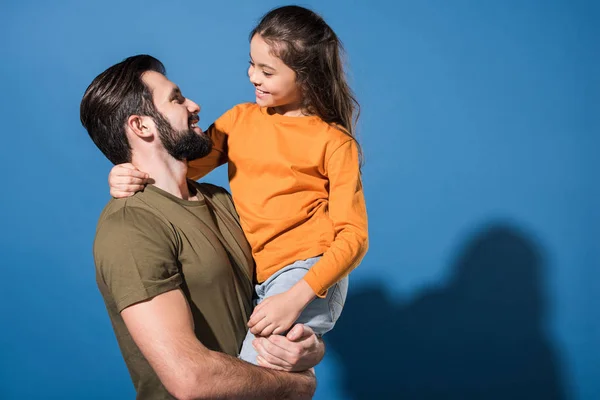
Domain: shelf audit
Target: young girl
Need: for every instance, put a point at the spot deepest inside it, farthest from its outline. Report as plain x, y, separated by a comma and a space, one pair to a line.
294, 174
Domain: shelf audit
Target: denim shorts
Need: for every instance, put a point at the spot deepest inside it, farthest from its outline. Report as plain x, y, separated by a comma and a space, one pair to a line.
320, 314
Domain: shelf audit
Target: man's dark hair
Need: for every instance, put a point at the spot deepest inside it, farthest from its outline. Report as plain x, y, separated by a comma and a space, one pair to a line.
114, 96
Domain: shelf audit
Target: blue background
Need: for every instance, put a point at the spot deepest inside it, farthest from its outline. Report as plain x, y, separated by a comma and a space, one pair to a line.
480, 126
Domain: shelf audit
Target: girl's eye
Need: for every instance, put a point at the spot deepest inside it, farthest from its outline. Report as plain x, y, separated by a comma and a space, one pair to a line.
267, 73
251, 63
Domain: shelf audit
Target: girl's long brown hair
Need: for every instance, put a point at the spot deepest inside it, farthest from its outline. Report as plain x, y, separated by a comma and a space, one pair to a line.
306, 44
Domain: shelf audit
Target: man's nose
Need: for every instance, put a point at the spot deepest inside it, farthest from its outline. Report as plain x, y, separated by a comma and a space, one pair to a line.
193, 107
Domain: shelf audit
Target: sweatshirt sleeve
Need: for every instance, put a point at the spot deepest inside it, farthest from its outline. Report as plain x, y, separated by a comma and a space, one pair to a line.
218, 133
348, 214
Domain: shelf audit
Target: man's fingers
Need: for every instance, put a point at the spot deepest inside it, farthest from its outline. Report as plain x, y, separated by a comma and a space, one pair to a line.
283, 348
304, 340
264, 363
272, 345
271, 353
298, 332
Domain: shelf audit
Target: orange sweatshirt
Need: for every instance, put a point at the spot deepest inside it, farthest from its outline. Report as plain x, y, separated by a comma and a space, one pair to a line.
296, 185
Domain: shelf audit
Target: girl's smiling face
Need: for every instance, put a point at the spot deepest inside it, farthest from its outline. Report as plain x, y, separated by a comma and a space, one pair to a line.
274, 82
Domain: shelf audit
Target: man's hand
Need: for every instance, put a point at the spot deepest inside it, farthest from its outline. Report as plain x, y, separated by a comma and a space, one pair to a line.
299, 350
125, 179
275, 314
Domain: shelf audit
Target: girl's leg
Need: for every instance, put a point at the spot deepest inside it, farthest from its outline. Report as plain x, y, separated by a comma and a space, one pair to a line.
320, 315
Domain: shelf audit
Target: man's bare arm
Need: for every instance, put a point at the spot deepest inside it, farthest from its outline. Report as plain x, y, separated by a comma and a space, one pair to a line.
163, 330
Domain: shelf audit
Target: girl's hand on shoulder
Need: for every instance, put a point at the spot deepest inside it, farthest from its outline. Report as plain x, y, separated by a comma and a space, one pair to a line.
125, 179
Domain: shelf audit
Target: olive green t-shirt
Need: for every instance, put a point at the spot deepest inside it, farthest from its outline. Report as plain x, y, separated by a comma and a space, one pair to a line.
154, 242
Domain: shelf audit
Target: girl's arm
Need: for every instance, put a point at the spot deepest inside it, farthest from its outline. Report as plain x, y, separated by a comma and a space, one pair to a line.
348, 213
275, 314
217, 157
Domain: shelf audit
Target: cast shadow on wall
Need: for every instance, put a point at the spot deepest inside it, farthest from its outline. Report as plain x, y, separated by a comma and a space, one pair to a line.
479, 336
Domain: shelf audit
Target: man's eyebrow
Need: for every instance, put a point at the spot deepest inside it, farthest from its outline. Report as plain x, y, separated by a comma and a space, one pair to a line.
175, 92
262, 65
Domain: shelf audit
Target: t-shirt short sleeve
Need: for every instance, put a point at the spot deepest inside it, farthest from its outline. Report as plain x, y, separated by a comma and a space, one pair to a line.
136, 256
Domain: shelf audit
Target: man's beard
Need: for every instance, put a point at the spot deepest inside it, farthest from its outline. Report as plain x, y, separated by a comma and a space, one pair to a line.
184, 145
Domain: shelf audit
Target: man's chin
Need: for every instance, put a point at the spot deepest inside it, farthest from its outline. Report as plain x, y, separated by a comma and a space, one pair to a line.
191, 155
187, 145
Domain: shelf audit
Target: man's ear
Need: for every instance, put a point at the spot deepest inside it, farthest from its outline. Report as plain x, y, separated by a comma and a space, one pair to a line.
139, 125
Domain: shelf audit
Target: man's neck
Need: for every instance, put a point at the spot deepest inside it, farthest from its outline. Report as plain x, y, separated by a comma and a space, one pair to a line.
166, 173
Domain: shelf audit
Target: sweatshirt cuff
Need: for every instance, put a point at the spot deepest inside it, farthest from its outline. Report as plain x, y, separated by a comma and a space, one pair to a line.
314, 285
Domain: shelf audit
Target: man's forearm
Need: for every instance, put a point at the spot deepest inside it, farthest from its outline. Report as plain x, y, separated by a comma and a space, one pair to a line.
163, 330
225, 377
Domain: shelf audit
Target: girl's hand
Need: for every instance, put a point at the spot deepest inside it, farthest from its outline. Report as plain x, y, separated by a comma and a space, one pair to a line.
275, 314
125, 179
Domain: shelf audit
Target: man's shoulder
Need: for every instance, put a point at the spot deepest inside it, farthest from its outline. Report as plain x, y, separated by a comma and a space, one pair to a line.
135, 252
121, 217
130, 223
119, 209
